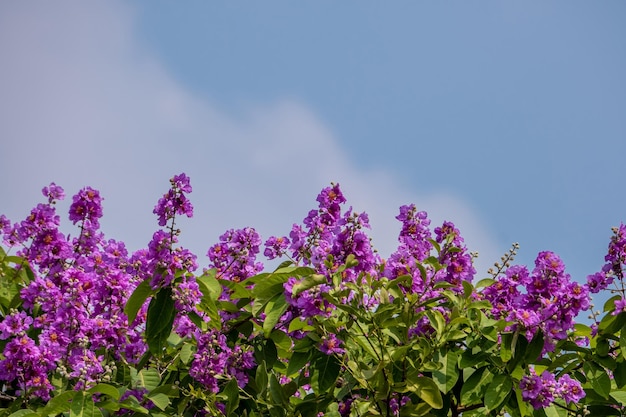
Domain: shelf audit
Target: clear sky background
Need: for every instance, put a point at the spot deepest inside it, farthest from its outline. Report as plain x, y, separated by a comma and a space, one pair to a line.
508, 118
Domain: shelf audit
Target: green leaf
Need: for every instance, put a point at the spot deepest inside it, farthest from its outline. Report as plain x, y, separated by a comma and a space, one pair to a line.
427, 390
582, 330
24, 413
498, 391
265, 351
299, 324
282, 340
105, 389
609, 305
83, 406
534, 348
211, 285
148, 378
619, 374
447, 376
137, 299
474, 388
297, 362
553, 411
59, 404
161, 314
231, 391
326, 372
619, 396
611, 324
267, 285
276, 391
132, 404
508, 341
210, 289
186, 353
161, 401
261, 378
274, 310
600, 381
485, 282
436, 320
308, 283
622, 341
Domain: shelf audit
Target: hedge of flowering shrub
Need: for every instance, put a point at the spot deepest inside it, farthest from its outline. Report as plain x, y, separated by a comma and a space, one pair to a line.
88, 329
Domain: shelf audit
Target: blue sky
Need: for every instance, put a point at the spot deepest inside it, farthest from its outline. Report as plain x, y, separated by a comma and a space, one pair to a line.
508, 118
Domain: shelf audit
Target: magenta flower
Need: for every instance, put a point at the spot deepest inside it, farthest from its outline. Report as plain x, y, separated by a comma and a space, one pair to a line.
53, 192
570, 389
276, 247
620, 306
598, 282
15, 324
330, 345
86, 205
175, 200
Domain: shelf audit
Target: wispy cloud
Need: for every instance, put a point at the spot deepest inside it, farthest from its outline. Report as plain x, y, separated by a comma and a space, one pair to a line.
85, 103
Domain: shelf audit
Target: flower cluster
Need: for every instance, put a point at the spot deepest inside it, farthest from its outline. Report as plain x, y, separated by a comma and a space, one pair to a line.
416, 245
338, 300
453, 256
234, 256
324, 242
175, 201
613, 268
550, 302
74, 325
541, 391
329, 236
73, 306
215, 361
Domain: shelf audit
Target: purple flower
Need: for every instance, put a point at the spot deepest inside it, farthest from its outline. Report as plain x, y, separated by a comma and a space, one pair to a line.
275, 247
234, 256
570, 390
550, 302
538, 391
598, 282
620, 306
330, 345
86, 205
15, 324
175, 200
187, 294
53, 192
215, 361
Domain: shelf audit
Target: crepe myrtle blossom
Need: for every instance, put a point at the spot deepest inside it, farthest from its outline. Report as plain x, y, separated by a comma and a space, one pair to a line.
324, 241
615, 260
455, 259
37, 235
15, 324
234, 256
175, 200
86, 205
327, 234
275, 247
541, 391
73, 309
414, 247
54, 193
25, 368
598, 281
550, 302
216, 361
330, 345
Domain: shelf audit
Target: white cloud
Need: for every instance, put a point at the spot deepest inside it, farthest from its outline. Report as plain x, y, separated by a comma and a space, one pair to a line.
84, 103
